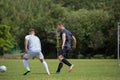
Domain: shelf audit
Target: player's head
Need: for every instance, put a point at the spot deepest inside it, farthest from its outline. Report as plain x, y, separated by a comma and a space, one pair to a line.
31, 31
60, 26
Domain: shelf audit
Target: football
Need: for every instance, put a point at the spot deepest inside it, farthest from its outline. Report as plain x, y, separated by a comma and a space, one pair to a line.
3, 68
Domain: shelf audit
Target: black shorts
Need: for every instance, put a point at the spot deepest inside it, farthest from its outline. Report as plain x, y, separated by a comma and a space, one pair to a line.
64, 51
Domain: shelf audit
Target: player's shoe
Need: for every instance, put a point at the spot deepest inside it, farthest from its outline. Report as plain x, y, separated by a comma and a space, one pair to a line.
48, 73
71, 68
26, 72
57, 72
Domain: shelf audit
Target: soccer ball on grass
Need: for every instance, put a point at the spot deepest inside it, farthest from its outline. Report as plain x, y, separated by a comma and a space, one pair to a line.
3, 68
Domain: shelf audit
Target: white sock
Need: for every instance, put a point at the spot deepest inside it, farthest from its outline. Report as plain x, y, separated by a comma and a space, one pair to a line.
25, 62
45, 67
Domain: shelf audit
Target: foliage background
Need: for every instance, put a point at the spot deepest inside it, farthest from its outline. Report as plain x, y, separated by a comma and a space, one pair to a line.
93, 22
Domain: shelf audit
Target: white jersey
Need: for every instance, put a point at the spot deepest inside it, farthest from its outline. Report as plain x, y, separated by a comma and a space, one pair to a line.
34, 45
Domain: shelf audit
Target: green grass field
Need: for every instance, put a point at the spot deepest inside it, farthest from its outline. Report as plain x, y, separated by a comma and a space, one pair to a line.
84, 70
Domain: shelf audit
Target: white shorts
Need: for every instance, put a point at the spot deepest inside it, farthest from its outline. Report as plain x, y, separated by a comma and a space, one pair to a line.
31, 55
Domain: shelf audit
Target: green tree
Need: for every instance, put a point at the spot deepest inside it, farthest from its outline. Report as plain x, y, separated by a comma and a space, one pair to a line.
87, 26
6, 40
93, 22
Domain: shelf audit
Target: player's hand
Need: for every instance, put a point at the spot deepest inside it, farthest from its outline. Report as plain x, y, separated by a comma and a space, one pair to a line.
26, 51
63, 47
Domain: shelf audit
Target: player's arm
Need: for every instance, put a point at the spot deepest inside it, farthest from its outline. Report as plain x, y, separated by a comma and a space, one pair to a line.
63, 40
26, 45
74, 41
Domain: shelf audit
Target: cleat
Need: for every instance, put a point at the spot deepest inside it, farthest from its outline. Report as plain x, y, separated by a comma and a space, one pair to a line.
48, 73
26, 73
57, 72
71, 68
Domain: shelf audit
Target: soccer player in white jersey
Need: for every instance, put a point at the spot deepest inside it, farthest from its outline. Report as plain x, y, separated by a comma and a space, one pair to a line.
33, 49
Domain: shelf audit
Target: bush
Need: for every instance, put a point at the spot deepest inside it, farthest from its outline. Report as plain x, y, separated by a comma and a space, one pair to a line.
98, 56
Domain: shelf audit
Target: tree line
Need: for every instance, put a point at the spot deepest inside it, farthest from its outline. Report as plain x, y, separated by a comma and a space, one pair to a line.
93, 22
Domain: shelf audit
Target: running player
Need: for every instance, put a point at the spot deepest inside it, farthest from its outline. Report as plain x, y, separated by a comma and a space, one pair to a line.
66, 37
33, 49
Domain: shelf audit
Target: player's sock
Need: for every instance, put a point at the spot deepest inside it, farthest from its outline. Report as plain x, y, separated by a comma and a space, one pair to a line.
59, 67
46, 67
25, 62
66, 62
26, 72
26, 66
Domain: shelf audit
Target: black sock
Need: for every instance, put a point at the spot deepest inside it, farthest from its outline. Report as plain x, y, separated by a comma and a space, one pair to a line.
59, 67
66, 62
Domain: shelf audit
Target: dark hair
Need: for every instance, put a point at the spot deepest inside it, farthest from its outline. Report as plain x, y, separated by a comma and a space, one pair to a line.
60, 23
31, 29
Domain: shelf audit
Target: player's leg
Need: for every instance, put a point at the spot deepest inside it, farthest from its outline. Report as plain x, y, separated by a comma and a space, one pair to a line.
25, 62
45, 66
41, 58
65, 61
60, 65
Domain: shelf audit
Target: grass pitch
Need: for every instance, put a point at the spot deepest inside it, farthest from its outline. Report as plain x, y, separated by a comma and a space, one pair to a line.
84, 70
